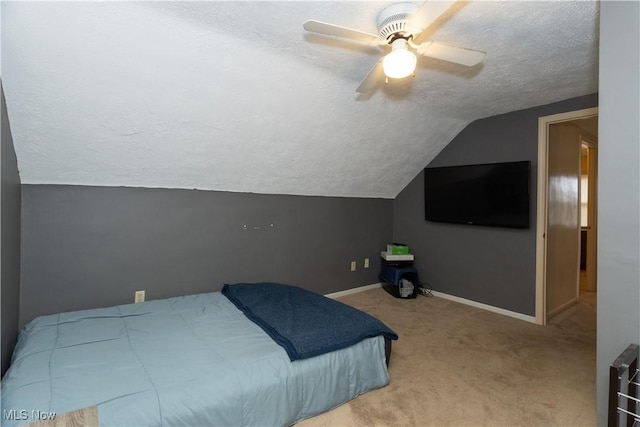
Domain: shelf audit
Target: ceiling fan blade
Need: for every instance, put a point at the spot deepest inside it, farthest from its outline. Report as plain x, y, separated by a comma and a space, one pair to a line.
371, 80
458, 55
428, 13
343, 32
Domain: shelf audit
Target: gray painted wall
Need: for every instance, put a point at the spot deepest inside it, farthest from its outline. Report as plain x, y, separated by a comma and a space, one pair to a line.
494, 266
94, 246
10, 246
618, 188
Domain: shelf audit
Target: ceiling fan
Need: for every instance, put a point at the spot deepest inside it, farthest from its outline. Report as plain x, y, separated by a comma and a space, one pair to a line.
401, 26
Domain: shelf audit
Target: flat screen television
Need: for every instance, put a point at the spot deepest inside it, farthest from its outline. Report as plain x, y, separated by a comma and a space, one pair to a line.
495, 194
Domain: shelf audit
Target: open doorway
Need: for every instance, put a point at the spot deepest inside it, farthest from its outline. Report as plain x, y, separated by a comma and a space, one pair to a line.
561, 234
588, 212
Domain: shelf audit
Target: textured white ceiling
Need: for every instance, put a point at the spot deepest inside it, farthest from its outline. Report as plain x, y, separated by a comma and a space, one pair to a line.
236, 96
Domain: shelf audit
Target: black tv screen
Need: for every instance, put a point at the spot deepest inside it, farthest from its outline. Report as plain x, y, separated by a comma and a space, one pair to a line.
495, 194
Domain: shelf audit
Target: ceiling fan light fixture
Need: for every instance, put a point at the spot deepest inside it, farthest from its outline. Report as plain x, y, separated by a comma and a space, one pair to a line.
401, 62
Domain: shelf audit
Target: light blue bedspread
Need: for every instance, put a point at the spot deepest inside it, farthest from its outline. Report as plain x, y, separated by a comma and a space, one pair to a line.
194, 360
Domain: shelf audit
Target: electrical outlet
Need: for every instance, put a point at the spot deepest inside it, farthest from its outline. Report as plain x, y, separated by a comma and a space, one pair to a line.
366, 263
353, 266
139, 297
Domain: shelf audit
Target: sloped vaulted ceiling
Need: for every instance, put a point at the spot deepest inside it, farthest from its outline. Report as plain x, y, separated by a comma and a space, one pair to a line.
236, 96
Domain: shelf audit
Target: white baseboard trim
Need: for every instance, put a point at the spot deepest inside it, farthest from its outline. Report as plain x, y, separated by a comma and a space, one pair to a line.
339, 294
498, 310
562, 308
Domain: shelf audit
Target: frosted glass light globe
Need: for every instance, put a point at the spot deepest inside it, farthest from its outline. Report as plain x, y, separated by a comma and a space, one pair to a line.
400, 62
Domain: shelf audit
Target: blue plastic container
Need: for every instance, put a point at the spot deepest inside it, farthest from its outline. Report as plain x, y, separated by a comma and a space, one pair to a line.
392, 275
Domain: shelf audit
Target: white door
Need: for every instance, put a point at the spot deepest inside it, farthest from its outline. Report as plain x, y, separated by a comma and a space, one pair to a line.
563, 218
545, 213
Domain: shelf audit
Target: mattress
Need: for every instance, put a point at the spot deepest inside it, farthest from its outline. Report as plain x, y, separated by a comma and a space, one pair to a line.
192, 360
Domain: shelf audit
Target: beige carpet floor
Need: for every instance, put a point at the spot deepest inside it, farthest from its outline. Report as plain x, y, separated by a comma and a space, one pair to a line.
455, 365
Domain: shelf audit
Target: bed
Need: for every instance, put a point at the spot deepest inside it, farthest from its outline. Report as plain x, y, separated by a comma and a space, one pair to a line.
253, 354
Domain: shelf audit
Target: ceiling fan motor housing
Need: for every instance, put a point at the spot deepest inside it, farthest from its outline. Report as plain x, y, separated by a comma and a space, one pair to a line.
392, 21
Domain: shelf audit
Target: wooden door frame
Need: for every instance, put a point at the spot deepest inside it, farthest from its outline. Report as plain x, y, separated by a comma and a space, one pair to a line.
592, 210
541, 214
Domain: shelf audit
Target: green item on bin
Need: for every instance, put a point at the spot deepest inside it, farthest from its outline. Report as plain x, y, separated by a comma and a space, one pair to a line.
397, 249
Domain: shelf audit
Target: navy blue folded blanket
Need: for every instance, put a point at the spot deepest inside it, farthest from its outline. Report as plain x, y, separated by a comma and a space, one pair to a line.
304, 323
